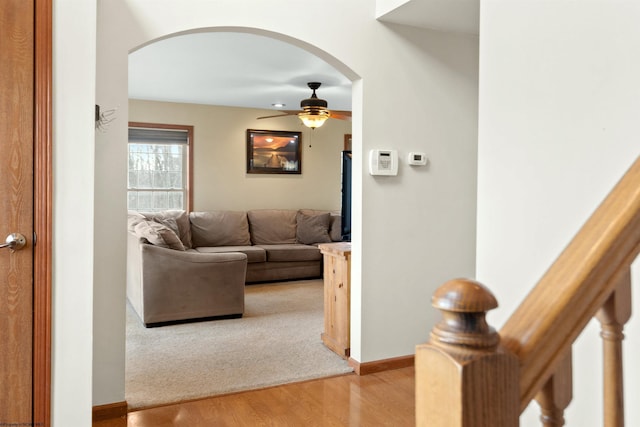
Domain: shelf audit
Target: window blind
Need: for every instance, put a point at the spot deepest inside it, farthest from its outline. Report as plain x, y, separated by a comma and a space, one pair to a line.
158, 136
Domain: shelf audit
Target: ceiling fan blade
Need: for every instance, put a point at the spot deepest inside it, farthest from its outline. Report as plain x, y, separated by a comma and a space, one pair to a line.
333, 114
340, 115
282, 113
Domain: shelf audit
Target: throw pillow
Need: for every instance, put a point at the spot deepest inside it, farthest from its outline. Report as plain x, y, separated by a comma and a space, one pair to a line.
335, 231
335, 228
159, 235
313, 228
134, 218
170, 223
182, 220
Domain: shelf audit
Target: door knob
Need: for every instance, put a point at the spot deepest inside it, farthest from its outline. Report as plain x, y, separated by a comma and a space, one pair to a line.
15, 242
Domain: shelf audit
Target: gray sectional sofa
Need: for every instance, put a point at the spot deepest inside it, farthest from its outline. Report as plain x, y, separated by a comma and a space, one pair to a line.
195, 265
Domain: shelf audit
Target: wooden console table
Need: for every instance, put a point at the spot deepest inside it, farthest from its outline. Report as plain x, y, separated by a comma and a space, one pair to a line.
337, 296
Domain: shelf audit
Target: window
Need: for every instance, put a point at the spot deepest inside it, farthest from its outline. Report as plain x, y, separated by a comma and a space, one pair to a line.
159, 167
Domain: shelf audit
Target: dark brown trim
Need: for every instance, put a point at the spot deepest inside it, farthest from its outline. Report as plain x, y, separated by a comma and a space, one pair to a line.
347, 142
189, 130
109, 411
381, 365
42, 213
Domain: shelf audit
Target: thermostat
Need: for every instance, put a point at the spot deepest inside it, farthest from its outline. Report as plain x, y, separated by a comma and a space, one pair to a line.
417, 159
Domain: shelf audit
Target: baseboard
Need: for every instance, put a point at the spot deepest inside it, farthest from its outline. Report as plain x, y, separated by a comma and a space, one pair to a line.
110, 411
381, 365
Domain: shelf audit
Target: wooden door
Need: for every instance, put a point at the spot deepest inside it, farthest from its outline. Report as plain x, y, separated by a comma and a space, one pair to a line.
18, 105
16, 208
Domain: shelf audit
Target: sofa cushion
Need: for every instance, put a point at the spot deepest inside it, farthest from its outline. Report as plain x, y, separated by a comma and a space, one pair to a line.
159, 234
292, 252
219, 228
313, 228
182, 220
272, 226
254, 253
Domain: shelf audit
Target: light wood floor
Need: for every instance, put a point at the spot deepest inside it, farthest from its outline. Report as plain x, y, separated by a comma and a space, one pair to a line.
382, 399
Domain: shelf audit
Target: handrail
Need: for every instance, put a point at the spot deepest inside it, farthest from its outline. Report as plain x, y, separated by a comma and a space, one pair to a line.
469, 376
542, 329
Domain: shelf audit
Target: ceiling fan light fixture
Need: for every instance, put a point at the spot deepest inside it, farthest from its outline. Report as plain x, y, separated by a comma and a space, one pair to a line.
314, 119
314, 110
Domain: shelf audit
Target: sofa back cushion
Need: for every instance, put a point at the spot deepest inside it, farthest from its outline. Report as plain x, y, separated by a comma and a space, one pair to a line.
219, 228
272, 226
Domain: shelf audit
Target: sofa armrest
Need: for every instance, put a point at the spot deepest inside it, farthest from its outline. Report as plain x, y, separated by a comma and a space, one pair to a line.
161, 282
167, 255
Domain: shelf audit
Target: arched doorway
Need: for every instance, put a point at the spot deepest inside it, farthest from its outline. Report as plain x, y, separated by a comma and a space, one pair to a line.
166, 101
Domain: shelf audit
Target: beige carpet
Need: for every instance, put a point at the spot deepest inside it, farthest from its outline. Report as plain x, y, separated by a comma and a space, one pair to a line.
276, 342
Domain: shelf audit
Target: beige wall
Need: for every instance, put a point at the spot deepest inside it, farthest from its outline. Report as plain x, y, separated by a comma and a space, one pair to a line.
220, 178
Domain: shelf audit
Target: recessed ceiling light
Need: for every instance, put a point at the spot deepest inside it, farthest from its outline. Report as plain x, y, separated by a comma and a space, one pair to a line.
278, 105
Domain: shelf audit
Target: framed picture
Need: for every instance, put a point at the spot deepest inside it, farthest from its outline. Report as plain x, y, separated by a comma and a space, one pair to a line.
274, 151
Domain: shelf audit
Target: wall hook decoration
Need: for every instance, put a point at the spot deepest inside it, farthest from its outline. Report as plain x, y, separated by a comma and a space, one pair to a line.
103, 118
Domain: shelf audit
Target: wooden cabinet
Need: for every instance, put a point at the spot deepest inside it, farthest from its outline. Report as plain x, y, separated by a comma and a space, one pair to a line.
337, 296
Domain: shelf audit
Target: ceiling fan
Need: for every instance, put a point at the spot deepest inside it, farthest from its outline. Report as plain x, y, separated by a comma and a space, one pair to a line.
314, 110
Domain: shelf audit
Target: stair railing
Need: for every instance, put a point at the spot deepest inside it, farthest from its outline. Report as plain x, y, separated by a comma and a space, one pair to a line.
468, 375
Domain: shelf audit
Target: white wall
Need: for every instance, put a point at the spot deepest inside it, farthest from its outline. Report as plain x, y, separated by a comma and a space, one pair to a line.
110, 216
413, 90
385, 6
220, 178
74, 48
559, 108
418, 229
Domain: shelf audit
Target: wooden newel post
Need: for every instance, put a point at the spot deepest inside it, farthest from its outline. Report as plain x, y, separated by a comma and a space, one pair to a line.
464, 377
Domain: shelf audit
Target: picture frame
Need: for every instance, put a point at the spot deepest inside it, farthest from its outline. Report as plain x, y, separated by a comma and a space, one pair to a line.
274, 152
